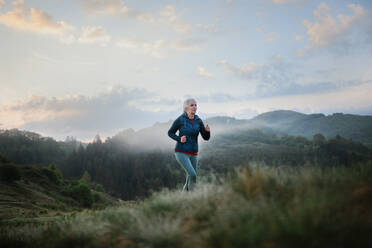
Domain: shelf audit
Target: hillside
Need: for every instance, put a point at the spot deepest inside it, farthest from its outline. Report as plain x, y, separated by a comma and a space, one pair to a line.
256, 207
34, 191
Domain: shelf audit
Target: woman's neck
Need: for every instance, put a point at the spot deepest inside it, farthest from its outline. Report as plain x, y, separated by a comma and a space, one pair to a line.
191, 116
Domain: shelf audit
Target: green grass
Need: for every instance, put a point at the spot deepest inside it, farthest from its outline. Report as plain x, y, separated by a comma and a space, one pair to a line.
256, 206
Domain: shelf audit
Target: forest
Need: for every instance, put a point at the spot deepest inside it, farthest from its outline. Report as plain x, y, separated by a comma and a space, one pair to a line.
130, 173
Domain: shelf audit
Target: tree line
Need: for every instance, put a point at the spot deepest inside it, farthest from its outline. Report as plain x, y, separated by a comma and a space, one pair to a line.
130, 173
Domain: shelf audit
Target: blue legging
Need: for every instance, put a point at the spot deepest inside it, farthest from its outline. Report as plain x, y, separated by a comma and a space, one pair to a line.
189, 163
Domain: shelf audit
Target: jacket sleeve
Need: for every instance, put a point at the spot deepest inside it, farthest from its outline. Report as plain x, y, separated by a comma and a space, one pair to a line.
204, 133
173, 129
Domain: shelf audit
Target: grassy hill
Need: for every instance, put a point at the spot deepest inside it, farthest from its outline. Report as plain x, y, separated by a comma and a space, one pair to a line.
256, 207
29, 191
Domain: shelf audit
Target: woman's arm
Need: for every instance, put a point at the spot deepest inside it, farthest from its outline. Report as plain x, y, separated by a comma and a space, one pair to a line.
204, 133
173, 129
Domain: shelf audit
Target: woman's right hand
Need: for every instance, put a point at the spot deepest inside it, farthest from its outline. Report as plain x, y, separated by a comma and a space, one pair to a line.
183, 139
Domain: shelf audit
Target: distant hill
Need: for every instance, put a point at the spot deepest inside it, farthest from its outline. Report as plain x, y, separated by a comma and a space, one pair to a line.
355, 127
25, 147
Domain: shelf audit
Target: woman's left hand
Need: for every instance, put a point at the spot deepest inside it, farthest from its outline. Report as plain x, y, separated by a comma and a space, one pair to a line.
207, 128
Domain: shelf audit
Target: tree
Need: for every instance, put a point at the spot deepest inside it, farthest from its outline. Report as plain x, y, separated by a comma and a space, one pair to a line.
97, 139
318, 139
86, 177
80, 192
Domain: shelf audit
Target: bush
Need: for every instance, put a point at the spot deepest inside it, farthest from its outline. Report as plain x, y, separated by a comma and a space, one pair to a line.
52, 173
98, 187
9, 173
80, 192
96, 197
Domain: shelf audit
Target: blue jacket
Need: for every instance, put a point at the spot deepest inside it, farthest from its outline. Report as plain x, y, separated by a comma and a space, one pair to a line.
190, 130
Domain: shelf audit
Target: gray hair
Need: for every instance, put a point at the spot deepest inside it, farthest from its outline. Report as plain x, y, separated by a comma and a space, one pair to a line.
186, 103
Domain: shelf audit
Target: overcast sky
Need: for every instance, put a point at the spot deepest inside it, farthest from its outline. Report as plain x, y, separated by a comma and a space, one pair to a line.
86, 67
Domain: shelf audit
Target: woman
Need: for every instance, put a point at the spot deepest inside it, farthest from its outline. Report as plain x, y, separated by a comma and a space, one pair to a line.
186, 151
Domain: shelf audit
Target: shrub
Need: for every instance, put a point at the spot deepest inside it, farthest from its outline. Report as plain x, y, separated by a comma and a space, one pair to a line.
96, 197
80, 192
52, 173
98, 187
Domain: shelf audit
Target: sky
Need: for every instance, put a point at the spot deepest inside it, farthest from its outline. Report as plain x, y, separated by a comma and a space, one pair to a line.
86, 67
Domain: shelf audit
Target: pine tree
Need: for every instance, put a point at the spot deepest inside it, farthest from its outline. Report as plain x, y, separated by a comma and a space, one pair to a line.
86, 177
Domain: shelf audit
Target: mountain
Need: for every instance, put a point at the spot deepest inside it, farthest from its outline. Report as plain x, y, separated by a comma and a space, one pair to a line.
355, 127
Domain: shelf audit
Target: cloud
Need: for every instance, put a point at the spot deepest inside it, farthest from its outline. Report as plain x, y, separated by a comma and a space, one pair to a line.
272, 36
114, 8
94, 35
160, 48
216, 97
221, 97
208, 28
170, 15
327, 30
279, 77
45, 57
240, 70
273, 88
142, 46
2, 2
85, 116
204, 73
167, 15
352, 99
300, 53
287, 1
299, 38
260, 28
36, 20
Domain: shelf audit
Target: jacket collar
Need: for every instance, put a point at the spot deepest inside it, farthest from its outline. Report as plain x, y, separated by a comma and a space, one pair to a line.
195, 116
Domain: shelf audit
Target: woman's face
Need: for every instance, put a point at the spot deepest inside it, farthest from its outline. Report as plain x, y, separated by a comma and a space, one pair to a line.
192, 107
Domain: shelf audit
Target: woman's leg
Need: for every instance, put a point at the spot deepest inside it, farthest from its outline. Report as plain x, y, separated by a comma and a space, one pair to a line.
186, 186
184, 160
194, 161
